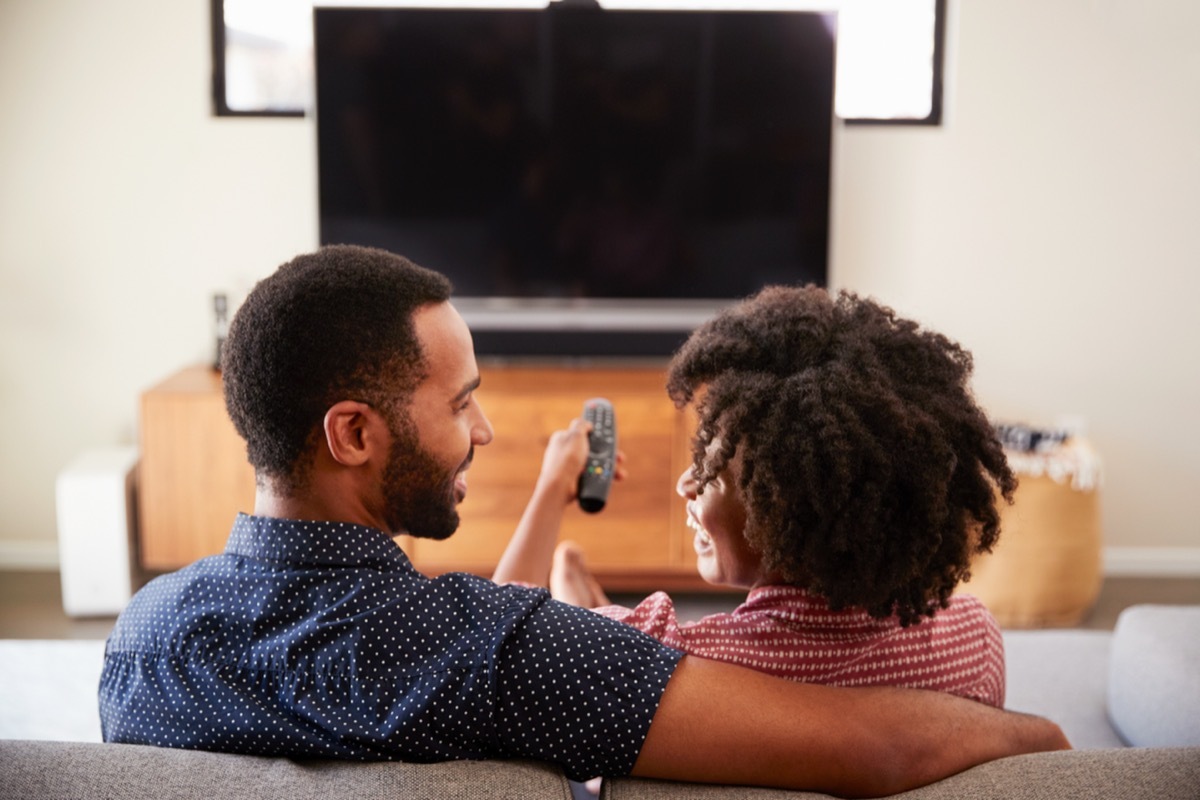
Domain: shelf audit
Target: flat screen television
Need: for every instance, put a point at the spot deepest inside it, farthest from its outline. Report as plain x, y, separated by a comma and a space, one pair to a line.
594, 182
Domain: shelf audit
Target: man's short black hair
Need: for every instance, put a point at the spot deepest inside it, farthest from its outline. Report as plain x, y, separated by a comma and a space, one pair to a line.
327, 326
869, 473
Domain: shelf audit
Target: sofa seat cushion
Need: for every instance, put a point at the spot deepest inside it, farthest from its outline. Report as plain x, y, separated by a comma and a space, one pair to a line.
1154, 676
1062, 675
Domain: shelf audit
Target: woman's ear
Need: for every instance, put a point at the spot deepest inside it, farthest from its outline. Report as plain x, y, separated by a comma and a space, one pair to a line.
353, 432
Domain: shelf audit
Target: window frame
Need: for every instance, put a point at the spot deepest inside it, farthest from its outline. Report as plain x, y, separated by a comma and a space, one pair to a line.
220, 98
937, 82
934, 118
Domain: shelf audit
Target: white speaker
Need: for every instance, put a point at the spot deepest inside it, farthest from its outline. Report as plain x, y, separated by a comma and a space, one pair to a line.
96, 531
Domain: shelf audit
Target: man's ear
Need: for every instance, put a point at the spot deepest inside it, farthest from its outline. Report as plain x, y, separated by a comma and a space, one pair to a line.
353, 432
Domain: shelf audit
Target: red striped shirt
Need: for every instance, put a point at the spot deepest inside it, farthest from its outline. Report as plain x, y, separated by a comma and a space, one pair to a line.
784, 631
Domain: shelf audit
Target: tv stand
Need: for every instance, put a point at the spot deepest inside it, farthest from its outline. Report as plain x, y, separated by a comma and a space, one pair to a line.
194, 477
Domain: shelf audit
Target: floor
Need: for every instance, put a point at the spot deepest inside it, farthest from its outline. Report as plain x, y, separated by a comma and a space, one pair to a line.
31, 604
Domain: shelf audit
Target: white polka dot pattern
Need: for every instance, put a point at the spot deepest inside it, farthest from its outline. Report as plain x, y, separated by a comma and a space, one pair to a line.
319, 639
790, 633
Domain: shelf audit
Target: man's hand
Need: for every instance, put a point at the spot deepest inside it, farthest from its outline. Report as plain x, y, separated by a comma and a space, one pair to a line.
720, 723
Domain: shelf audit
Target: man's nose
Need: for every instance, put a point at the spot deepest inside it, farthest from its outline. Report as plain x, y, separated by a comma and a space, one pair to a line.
482, 432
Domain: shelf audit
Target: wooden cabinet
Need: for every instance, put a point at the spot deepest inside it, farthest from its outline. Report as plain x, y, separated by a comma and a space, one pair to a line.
194, 475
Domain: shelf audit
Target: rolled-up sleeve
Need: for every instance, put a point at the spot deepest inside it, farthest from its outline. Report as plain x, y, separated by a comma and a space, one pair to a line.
578, 689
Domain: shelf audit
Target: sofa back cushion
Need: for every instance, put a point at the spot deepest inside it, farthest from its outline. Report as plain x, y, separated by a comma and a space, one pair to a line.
40, 770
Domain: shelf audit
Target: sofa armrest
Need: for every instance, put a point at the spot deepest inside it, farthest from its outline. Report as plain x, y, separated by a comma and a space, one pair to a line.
1154, 676
41, 770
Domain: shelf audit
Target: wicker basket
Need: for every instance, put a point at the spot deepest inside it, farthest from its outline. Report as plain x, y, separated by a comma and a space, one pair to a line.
1045, 570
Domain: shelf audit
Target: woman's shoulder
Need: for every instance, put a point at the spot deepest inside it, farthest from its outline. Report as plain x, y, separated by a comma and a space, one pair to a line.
967, 604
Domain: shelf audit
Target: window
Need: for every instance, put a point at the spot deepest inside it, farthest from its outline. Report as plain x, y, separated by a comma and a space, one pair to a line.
889, 53
890, 61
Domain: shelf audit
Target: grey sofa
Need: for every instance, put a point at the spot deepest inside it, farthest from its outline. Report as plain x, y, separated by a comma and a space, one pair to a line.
1138, 685
40, 770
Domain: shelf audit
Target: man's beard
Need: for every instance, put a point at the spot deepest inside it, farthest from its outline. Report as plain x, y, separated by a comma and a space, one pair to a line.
419, 496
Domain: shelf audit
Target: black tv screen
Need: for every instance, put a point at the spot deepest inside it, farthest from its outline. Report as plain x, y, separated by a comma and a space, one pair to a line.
576, 168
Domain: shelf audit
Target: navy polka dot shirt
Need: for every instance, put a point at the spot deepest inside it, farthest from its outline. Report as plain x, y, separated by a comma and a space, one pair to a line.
320, 640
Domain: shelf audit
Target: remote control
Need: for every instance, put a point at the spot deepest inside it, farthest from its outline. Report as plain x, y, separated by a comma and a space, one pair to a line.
602, 455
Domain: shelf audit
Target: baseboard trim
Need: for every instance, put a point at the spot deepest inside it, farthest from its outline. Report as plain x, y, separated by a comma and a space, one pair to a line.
33, 555
1152, 562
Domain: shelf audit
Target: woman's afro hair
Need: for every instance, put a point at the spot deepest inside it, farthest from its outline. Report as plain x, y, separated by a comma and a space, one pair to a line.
327, 326
869, 473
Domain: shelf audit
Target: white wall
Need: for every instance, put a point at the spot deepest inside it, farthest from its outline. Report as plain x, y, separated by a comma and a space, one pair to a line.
1048, 225
1051, 226
123, 206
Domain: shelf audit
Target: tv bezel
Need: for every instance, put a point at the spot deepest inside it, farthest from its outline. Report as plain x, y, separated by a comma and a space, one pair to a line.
599, 327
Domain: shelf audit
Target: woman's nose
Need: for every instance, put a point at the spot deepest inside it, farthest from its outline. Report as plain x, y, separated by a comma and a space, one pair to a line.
686, 485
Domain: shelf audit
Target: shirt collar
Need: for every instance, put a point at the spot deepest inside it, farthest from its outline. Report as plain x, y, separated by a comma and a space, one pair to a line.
313, 542
799, 606
765, 598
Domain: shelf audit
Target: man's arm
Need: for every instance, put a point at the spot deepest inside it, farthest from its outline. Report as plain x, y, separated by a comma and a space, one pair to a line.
719, 723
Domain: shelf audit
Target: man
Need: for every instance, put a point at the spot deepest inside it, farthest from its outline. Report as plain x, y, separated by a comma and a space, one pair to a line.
353, 381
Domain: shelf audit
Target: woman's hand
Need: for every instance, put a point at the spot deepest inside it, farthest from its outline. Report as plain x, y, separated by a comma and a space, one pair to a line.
527, 558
